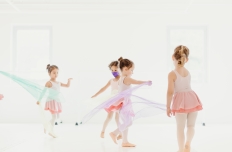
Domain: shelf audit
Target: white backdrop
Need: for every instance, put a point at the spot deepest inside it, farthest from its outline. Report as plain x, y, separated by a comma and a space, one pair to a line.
83, 44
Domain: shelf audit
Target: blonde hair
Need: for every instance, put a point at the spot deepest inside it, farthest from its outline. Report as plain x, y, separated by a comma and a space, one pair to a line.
181, 53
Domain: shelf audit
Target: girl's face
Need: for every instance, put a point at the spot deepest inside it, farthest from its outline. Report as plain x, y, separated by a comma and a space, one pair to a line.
114, 68
128, 72
54, 74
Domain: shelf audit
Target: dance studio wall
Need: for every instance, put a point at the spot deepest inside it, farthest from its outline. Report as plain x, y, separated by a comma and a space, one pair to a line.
83, 44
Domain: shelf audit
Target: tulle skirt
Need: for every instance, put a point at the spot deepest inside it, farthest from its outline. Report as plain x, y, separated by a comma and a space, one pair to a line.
186, 102
53, 106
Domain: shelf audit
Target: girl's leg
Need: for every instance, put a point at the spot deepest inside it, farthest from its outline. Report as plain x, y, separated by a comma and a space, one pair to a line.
108, 118
180, 121
52, 121
117, 122
117, 118
58, 118
191, 120
125, 142
114, 135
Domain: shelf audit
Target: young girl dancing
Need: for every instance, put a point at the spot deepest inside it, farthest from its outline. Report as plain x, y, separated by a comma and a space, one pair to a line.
113, 83
185, 102
53, 106
126, 112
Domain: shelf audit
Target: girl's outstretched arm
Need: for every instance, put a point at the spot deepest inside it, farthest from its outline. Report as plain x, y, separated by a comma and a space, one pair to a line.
129, 81
170, 91
67, 84
102, 89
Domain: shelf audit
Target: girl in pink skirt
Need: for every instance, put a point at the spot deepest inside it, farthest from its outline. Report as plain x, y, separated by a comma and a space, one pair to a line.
185, 102
53, 106
113, 83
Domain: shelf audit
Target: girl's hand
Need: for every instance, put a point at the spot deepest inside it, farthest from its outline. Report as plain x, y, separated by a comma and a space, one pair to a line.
149, 83
37, 102
93, 96
169, 112
70, 79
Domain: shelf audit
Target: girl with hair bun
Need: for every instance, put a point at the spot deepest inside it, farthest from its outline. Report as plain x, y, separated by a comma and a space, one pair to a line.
185, 102
53, 106
126, 66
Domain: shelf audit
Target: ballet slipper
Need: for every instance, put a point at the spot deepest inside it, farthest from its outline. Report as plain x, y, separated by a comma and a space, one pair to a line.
102, 134
128, 145
52, 134
119, 137
113, 136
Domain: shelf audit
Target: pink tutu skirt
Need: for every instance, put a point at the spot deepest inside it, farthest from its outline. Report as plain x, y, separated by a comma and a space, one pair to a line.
186, 102
118, 105
53, 106
1, 96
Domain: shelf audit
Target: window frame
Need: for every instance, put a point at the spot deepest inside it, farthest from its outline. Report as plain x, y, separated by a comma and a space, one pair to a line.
15, 30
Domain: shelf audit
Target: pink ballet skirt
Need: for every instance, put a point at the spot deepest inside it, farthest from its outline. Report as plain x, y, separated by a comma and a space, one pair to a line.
118, 105
1, 96
186, 102
53, 106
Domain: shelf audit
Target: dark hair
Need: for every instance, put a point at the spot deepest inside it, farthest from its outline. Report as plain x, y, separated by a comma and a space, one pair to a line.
113, 63
125, 63
50, 68
181, 53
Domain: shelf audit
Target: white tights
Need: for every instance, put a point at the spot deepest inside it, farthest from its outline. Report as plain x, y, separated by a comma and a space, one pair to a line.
52, 121
181, 119
108, 118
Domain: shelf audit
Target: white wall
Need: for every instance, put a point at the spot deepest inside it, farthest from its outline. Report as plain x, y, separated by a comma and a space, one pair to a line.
85, 43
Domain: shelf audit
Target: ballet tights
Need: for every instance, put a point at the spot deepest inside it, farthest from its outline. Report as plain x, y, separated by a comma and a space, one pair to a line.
108, 118
52, 121
181, 119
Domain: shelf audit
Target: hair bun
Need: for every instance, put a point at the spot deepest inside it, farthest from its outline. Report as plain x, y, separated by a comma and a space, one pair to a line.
48, 66
120, 59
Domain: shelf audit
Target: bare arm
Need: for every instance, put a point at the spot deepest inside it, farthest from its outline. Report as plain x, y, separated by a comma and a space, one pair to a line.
102, 89
129, 81
48, 85
170, 91
67, 84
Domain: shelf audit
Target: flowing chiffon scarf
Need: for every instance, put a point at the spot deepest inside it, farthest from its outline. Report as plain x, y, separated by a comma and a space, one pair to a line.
134, 107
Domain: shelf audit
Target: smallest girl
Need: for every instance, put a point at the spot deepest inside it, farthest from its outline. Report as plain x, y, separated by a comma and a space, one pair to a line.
53, 106
185, 102
113, 83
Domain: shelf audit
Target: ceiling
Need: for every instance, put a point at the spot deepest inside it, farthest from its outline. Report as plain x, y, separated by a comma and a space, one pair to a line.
40, 6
